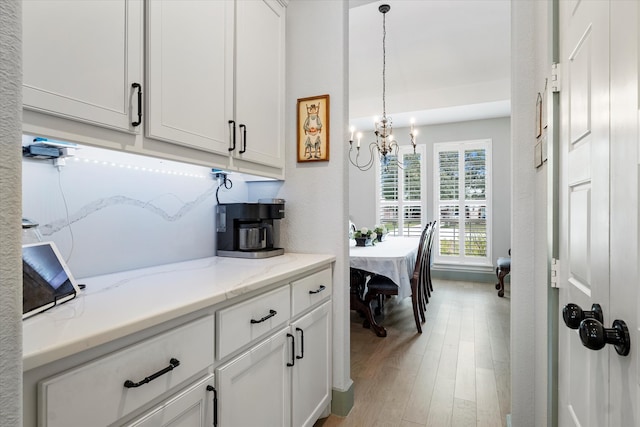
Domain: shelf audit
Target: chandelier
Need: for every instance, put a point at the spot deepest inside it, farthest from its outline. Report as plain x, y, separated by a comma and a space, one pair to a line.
385, 144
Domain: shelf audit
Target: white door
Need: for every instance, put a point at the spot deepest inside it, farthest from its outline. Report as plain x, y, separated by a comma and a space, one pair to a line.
254, 389
81, 58
597, 388
189, 72
311, 382
259, 96
193, 407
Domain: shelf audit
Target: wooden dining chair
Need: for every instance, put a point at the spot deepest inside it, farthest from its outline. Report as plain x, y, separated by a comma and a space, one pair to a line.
424, 283
381, 285
429, 261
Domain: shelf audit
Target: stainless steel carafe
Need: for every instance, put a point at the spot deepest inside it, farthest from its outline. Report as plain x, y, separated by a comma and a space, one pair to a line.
251, 237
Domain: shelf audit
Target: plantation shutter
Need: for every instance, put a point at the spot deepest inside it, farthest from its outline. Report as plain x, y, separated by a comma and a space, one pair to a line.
401, 201
462, 208
389, 191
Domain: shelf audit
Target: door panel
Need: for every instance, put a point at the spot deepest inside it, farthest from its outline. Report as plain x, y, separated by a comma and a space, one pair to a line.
584, 230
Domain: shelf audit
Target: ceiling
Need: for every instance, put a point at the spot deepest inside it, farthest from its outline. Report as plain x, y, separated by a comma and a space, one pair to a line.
446, 61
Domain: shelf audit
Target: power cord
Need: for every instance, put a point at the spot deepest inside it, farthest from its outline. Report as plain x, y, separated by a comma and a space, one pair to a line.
225, 182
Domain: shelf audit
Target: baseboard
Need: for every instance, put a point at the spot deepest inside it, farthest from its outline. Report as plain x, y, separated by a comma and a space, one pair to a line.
465, 276
342, 401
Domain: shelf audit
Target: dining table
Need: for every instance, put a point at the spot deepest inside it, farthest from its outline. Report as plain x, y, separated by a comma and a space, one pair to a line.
395, 258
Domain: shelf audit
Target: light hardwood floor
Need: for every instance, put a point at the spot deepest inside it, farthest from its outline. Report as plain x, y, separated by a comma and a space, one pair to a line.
456, 373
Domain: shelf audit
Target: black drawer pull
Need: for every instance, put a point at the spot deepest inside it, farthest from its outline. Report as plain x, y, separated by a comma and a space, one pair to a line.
139, 87
268, 316
173, 363
317, 291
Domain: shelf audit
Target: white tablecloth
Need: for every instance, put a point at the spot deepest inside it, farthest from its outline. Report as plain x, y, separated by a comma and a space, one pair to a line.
394, 258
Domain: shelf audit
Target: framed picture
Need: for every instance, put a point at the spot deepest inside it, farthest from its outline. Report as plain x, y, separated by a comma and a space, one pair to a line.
539, 115
313, 129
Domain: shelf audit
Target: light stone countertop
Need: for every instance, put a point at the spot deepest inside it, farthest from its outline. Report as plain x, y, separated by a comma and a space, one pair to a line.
116, 305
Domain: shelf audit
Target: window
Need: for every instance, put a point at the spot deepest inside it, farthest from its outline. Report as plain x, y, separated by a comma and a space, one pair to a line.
462, 188
402, 192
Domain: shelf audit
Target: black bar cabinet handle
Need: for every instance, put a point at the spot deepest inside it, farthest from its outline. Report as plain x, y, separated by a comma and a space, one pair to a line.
138, 86
173, 363
317, 291
268, 316
215, 404
301, 343
244, 138
293, 350
233, 137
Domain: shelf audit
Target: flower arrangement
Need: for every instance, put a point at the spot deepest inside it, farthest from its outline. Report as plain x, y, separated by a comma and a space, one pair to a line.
365, 237
365, 232
380, 229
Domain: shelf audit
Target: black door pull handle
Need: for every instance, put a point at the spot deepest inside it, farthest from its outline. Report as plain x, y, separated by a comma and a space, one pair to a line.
244, 138
138, 86
215, 404
293, 350
301, 344
233, 135
173, 363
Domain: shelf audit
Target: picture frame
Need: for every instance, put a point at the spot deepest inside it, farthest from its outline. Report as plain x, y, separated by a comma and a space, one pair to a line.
313, 129
539, 115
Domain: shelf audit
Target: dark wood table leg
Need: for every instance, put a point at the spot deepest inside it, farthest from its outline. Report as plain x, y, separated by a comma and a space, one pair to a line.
357, 303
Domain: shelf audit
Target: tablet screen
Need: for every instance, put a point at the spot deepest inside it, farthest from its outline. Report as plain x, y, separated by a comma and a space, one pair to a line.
46, 280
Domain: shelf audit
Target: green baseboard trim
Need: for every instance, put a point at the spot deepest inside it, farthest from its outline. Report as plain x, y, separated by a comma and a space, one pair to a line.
342, 401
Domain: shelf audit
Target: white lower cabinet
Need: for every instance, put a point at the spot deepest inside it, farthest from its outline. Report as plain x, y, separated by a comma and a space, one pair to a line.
193, 407
311, 374
253, 389
268, 364
115, 386
284, 380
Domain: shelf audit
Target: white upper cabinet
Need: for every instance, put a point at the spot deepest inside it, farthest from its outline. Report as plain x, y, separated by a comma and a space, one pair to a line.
190, 72
207, 73
259, 85
80, 59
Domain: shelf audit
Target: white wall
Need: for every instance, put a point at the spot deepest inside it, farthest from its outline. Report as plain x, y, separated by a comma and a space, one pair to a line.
111, 211
528, 311
10, 264
362, 184
317, 64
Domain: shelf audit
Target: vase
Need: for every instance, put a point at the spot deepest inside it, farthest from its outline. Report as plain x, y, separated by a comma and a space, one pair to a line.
381, 237
363, 241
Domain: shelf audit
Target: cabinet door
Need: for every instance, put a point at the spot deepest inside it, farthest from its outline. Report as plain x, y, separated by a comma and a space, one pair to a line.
189, 72
311, 391
80, 59
259, 97
193, 407
254, 389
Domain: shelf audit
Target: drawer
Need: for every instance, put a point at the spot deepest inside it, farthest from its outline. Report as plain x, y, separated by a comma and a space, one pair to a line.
242, 323
95, 394
310, 290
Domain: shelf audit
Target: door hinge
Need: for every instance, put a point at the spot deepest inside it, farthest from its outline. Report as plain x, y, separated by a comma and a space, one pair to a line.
556, 75
555, 272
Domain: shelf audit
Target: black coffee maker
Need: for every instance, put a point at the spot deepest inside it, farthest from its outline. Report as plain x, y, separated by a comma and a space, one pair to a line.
245, 230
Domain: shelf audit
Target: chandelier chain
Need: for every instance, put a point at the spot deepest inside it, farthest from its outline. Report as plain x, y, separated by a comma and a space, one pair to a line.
384, 64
